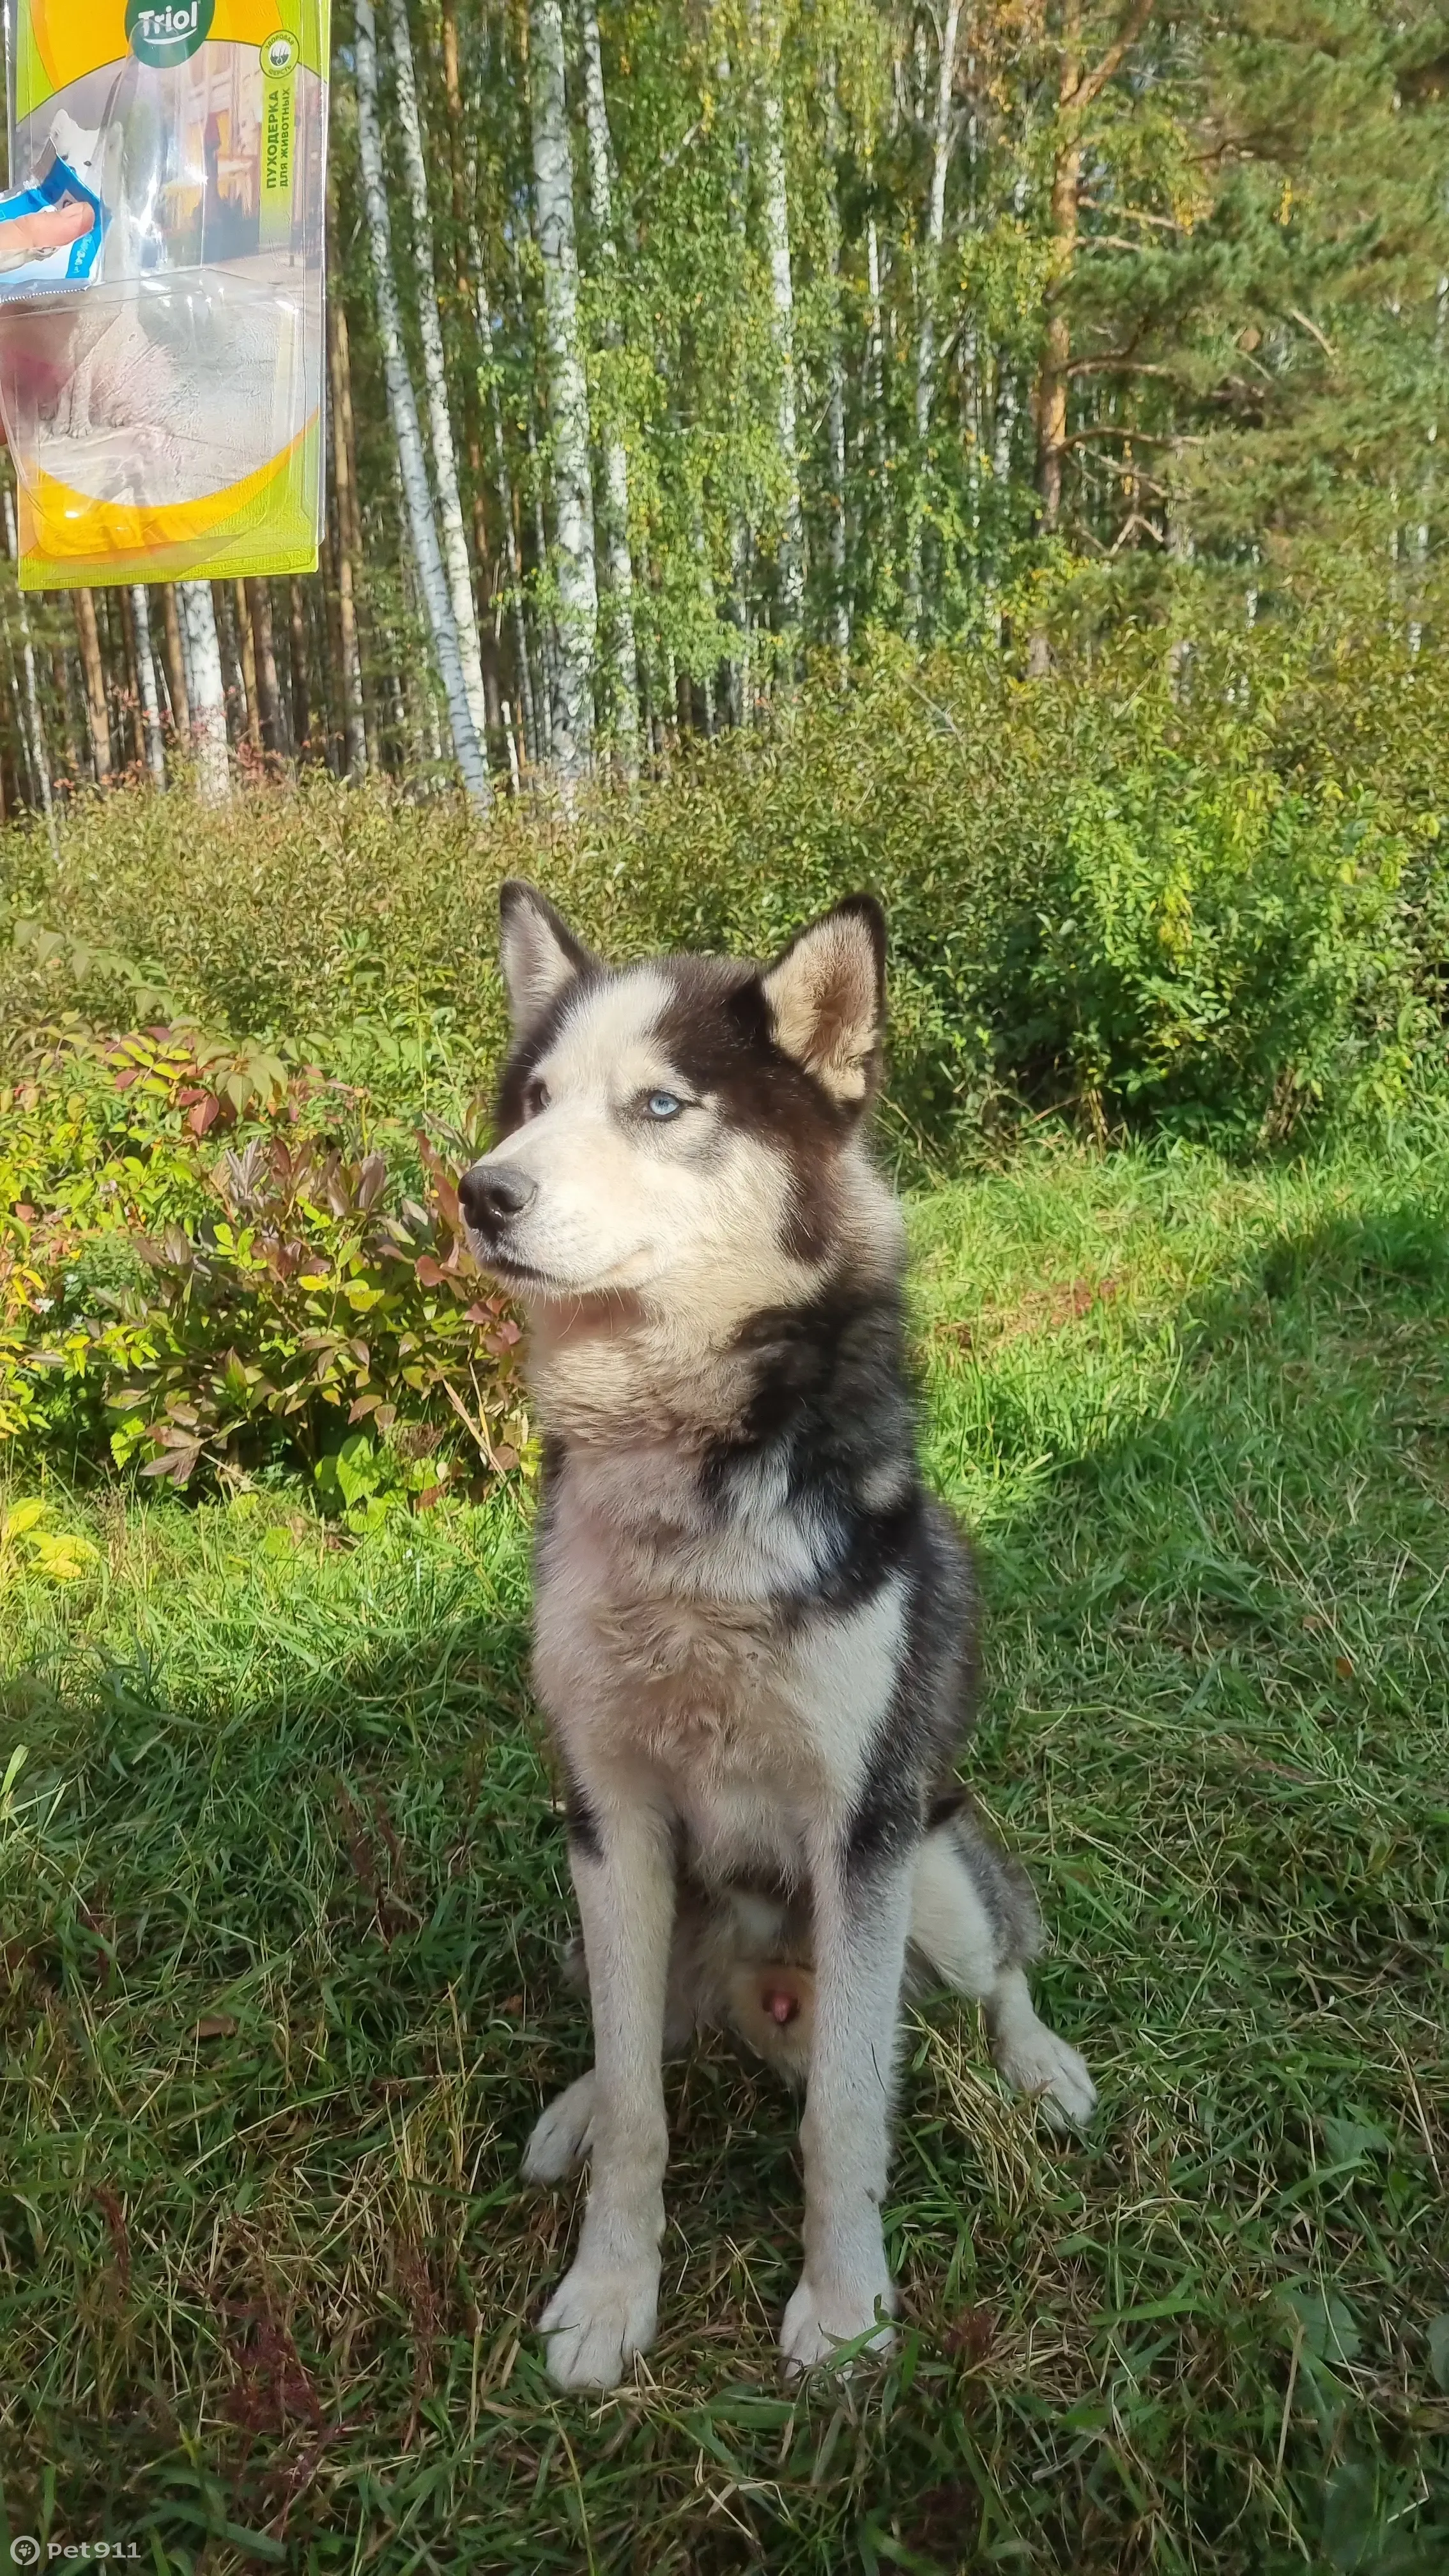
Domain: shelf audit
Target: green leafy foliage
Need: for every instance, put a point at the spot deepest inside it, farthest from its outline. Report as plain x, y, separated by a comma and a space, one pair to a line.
189, 1314
1198, 878
1200, 889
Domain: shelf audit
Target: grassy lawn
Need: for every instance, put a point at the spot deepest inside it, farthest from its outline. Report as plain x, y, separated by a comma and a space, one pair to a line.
283, 1887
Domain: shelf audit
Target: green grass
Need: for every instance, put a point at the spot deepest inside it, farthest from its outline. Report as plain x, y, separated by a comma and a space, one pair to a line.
283, 1888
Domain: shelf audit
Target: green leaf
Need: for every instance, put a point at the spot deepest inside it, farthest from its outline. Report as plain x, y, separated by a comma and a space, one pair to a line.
1351, 2141
1351, 2524
1439, 2350
1325, 2324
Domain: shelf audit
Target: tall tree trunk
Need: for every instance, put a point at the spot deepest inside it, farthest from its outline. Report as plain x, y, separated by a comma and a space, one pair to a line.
301, 694
839, 619
941, 139
1053, 377
207, 693
60, 674
233, 677
264, 654
334, 686
39, 748
471, 304
146, 675
1426, 495
522, 659
578, 604
402, 406
618, 560
737, 598
176, 665
26, 790
782, 292
435, 376
360, 726
1077, 89
246, 643
875, 344
131, 695
349, 545
546, 654
94, 671
839, 593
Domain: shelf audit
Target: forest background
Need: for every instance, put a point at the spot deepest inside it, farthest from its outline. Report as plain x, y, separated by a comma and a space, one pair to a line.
989, 454
672, 346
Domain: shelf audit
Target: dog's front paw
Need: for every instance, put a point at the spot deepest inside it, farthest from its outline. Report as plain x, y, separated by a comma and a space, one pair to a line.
1047, 2067
596, 2321
819, 2320
560, 2138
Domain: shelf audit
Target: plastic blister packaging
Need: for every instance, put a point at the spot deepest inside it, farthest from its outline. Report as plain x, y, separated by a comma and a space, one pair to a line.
162, 263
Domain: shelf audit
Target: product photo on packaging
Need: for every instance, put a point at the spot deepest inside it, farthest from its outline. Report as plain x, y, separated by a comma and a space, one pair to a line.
162, 270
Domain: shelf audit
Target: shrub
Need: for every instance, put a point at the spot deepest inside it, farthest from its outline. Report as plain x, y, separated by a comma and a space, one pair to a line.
285, 1302
1207, 892
1218, 905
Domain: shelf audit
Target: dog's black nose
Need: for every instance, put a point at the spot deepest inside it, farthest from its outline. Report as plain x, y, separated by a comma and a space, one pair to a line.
492, 1194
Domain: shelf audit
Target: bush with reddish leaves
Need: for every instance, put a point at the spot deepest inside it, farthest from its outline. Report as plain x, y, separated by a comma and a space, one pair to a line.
302, 1300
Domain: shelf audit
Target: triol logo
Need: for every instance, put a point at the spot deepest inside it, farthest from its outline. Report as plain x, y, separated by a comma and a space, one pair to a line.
169, 33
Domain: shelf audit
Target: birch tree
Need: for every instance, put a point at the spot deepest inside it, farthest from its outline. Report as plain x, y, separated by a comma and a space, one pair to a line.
207, 692
93, 671
146, 681
349, 542
578, 602
782, 293
618, 560
941, 140
435, 376
403, 413
39, 748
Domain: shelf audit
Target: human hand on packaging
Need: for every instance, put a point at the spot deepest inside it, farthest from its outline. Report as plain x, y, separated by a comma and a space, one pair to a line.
49, 227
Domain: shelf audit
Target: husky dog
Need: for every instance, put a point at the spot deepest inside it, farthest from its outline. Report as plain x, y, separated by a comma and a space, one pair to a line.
753, 1627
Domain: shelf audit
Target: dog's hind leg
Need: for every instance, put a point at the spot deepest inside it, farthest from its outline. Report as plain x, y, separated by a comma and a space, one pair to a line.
974, 1921
560, 2138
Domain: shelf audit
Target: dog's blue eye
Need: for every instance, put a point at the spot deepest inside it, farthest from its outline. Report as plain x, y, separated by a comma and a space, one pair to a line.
663, 1104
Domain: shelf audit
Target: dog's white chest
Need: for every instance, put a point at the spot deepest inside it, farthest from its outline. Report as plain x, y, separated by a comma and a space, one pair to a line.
750, 1713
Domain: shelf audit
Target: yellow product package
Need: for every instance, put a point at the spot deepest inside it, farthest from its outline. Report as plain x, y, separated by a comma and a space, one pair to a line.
162, 263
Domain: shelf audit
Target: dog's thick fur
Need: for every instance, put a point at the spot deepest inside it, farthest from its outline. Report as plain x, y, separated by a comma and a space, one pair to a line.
754, 1628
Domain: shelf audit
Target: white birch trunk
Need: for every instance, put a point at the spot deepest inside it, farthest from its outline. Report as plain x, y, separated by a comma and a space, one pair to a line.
39, 749
782, 293
835, 406
737, 602
875, 345
435, 377
207, 691
403, 409
618, 560
929, 283
568, 400
1421, 533
527, 721
839, 602
146, 675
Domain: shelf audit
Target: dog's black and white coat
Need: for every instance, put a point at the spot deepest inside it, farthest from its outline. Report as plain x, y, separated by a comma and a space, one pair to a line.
753, 1627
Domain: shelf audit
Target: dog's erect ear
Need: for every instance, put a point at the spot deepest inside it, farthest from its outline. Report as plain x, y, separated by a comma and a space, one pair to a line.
538, 953
826, 996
